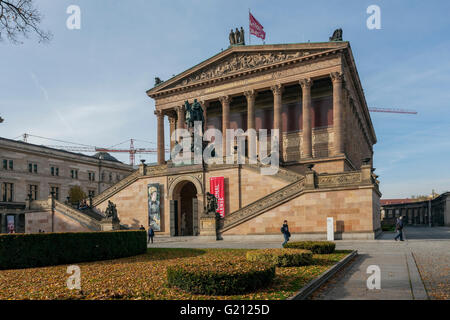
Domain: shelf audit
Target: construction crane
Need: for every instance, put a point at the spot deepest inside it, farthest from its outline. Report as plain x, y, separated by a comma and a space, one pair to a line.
77, 147
392, 110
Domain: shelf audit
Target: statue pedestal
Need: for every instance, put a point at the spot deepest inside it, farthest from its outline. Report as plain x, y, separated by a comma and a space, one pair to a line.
207, 226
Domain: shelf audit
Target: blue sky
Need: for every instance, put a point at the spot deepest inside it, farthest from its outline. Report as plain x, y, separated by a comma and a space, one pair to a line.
88, 85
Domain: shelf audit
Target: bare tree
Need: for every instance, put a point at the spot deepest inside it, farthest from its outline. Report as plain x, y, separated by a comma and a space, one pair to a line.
19, 18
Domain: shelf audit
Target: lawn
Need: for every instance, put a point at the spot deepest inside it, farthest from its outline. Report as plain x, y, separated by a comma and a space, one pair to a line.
144, 277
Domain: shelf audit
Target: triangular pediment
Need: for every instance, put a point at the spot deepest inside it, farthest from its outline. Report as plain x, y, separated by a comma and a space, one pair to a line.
241, 59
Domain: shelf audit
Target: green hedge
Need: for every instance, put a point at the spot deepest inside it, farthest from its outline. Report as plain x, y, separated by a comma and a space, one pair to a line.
45, 249
320, 247
216, 276
282, 257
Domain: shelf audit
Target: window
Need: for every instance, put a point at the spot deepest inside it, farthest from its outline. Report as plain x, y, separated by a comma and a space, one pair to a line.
55, 190
54, 171
74, 173
32, 167
7, 162
110, 177
91, 176
7, 192
33, 191
91, 193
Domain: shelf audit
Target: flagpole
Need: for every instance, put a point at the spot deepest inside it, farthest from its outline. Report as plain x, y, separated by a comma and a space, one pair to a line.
249, 36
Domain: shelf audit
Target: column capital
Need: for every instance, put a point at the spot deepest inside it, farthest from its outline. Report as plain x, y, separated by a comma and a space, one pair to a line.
204, 103
159, 113
172, 120
337, 76
250, 94
276, 89
306, 83
225, 99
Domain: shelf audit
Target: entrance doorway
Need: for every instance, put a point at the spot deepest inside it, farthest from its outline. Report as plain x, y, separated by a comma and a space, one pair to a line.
184, 210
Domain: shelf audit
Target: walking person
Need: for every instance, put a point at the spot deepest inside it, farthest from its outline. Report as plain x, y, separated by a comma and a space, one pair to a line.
285, 232
399, 229
151, 234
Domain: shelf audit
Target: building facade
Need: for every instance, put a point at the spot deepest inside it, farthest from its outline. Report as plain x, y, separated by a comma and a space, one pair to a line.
417, 212
32, 172
312, 94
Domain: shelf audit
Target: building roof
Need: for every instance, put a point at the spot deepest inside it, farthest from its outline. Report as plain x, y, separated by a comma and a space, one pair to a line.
105, 156
385, 202
30, 147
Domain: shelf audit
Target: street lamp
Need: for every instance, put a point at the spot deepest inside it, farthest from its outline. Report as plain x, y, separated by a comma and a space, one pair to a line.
53, 210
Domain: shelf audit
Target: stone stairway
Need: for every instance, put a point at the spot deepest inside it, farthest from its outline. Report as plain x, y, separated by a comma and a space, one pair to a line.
88, 218
125, 182
264, 204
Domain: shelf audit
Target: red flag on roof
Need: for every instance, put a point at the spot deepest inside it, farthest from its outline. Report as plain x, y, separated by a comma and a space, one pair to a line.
256, 28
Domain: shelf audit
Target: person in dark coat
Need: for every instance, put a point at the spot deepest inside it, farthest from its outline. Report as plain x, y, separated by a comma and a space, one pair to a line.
151, 234
399, 229
285, 232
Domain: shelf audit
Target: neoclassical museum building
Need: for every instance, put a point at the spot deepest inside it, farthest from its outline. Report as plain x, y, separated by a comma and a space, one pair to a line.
312, 93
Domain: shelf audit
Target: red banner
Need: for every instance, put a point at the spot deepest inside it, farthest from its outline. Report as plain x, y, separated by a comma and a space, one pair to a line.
256, 28
217, 188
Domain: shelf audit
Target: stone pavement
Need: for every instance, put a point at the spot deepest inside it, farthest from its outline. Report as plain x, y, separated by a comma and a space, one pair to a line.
424, 255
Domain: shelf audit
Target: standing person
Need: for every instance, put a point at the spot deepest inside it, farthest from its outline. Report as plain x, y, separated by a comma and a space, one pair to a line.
142, 227
285, 232
399, 229
151, 234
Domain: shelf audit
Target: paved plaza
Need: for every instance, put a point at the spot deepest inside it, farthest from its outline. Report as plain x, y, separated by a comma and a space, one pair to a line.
417, 268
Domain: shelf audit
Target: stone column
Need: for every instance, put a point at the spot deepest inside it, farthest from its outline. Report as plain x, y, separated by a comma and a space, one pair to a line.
180, 116
225, 101
160, 133
276, 89
306, 146
337, 79
172, 122
251, 140
205, 105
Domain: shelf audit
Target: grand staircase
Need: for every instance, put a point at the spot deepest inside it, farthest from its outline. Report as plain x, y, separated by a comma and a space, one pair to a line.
88, 218
272, 200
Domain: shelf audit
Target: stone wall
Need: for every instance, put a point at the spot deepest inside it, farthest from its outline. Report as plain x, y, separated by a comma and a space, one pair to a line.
35, 221
352, 210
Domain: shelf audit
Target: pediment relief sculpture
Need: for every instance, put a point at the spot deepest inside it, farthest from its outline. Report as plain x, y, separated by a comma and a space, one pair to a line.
239, 62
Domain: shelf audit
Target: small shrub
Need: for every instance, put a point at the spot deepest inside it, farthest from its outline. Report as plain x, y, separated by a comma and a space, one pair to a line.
318, 247
282, 257
215, 276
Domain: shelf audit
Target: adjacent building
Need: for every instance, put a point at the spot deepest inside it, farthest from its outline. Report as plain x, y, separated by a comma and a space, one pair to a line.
32, 172
434, 212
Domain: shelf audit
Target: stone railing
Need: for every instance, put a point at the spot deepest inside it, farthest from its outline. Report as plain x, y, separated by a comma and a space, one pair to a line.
339, 179
285, 174
79, 216
262, 205
122, 184
116, 188
40, 205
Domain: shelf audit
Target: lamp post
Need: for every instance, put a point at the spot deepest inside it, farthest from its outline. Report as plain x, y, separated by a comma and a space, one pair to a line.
53, 210
30, 198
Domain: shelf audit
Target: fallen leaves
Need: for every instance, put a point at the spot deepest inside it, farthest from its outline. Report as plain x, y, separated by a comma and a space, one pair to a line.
144, 277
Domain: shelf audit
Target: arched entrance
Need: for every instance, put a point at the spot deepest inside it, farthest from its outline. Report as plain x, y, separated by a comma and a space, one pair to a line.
184, 206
